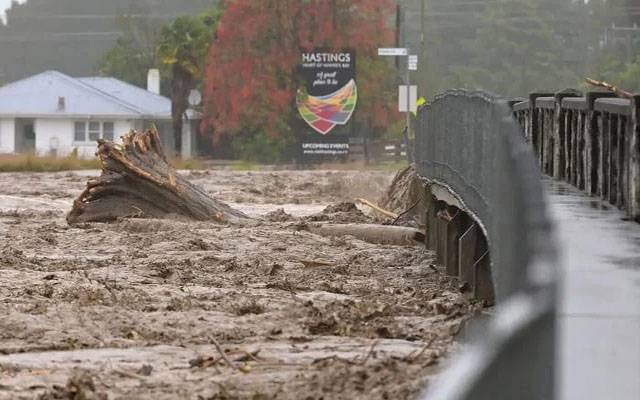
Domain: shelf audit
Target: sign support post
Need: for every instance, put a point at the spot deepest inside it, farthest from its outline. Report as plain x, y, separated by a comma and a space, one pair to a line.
412, 65
408, 115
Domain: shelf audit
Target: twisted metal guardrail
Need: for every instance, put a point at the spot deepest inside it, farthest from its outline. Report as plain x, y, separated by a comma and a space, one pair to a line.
486, 219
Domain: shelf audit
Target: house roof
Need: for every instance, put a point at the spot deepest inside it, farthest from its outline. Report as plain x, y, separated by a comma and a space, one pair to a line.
38, 96
146, 102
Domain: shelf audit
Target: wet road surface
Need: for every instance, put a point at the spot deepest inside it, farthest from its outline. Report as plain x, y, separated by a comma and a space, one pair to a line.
599, 321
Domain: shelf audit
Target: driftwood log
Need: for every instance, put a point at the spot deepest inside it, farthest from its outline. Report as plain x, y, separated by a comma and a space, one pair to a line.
376, 234
619, 92
137, 181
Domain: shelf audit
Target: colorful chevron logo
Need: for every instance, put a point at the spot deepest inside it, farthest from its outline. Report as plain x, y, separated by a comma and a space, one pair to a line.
323, 113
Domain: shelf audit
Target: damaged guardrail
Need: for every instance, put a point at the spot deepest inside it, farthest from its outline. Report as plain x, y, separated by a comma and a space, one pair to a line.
486, 219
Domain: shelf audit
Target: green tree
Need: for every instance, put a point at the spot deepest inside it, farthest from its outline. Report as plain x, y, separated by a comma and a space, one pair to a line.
615, 60
135, 52
505, 46
629, 79
183, 49
625, 76
521, 46
253, 71
179, 49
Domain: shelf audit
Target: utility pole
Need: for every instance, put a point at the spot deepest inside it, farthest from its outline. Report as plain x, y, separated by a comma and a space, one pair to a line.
411, 63
423, 51
405, 34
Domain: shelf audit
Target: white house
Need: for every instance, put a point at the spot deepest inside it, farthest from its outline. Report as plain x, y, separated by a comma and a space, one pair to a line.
52, 113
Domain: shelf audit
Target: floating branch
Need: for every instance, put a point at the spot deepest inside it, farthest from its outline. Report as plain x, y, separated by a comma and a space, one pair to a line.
619, 92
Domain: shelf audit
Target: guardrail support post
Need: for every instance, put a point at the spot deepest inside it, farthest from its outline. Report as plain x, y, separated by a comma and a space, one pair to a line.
455, 229
431, 235
576, 142
613, 158
561, 141
441, 247
467, 255
594, 128
605, 133
590, 150
557, 141
548, 141
567, 122
623, 132
536, 117
483, 280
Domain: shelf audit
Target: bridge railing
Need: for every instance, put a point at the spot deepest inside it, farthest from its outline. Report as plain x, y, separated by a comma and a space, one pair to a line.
591, 141
487, 222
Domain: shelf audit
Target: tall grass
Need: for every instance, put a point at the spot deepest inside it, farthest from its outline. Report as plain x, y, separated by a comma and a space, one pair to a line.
188, 164
34, 163
244, 165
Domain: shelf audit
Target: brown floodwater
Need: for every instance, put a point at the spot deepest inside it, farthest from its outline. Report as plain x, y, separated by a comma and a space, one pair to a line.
134, 309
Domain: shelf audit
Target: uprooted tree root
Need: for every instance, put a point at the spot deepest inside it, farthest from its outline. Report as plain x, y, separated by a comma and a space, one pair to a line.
138, 181
404, 201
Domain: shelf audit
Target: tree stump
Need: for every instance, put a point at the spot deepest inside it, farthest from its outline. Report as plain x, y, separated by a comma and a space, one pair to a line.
137, 181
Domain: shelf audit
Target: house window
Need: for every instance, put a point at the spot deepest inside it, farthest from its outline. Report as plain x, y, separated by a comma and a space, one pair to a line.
107, 130
94, 131
80, 132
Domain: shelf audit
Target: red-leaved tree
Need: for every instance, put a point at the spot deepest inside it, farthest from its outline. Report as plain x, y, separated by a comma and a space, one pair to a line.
251, 78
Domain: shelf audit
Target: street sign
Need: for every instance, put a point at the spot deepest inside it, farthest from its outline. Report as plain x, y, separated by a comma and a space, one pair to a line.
392, 51
413, 98
413, 63
195, 98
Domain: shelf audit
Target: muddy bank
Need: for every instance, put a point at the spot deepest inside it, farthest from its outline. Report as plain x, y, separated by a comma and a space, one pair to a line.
134, 309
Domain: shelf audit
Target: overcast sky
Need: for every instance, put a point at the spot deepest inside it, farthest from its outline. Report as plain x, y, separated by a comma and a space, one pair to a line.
4, 4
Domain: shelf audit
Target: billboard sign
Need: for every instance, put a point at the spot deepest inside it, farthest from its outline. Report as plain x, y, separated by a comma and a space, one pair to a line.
327, 100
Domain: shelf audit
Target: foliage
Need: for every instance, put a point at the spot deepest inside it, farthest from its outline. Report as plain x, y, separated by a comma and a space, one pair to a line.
183, 48
510, 47
185, 41
261, 149
244, 165
134, 53
629, 78
516, 50
252, 71
187, 164
33, 163
178, 49
615, 61
624, 75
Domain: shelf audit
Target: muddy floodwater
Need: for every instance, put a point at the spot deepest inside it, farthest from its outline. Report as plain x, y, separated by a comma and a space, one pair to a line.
140, 309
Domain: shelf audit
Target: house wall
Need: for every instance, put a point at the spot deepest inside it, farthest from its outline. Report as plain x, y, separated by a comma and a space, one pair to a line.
56, 137
7, 135
123, 127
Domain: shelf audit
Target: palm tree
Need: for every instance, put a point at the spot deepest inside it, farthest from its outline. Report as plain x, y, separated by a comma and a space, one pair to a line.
183, 48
